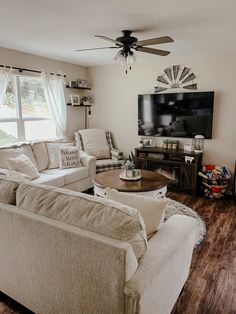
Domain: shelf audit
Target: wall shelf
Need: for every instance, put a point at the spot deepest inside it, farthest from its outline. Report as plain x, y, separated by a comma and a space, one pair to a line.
83, 106
84, 88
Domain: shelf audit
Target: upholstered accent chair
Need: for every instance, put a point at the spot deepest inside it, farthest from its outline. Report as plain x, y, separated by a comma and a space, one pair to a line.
98, 143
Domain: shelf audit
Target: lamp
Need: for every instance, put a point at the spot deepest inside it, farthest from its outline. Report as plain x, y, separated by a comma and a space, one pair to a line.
198, 143
126, 57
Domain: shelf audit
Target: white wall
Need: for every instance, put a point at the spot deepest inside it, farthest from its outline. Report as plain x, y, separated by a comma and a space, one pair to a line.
116, 107
75, 116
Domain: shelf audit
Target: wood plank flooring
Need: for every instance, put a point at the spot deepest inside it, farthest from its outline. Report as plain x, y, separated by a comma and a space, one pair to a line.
211, 286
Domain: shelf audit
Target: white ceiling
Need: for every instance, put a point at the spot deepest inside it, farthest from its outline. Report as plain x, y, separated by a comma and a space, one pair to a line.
56, 28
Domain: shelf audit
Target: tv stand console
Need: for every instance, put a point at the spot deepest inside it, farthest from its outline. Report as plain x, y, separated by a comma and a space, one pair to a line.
174, 164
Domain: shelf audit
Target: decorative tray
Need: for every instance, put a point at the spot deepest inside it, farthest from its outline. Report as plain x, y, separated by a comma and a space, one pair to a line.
124, 177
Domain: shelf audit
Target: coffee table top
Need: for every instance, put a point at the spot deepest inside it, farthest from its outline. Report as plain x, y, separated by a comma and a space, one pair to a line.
150, 181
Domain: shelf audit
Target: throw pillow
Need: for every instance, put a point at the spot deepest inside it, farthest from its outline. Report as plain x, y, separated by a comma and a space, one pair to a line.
68, 157
52, 148
23, 165
101, 154
152, 210
13, 152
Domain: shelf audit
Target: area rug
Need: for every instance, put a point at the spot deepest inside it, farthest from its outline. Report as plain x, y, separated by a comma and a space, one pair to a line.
176, 208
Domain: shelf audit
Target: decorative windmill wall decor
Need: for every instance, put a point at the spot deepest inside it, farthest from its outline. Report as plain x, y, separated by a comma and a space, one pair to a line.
176, 77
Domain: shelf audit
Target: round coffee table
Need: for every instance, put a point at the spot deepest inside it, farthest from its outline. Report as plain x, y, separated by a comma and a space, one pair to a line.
151, 183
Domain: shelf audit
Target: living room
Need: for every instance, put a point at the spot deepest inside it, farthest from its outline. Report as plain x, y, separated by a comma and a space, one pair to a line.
45, 38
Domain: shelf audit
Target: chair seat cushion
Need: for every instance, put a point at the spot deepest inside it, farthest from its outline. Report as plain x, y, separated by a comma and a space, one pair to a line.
70, 175
108, 164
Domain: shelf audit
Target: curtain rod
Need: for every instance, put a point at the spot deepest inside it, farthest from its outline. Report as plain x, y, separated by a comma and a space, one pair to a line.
28, 70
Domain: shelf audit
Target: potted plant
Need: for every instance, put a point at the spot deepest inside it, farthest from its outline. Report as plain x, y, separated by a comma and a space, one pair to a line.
86, 100
128, 167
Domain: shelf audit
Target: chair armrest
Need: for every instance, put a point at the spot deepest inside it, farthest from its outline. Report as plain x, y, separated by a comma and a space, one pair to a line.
163, 269
89, 162
116, 154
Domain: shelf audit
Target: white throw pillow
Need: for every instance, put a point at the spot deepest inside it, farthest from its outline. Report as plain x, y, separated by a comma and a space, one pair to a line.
53, 153
24, 166
95, 143
152, 210
15, 151
68, 157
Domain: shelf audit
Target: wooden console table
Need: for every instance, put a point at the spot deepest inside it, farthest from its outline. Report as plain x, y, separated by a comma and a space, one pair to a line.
172, 164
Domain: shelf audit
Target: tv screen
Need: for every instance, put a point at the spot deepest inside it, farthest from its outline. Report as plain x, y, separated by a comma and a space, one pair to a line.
176, 114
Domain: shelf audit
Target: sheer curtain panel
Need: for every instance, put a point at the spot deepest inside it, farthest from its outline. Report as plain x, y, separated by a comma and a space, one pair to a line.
5, 77
53, 86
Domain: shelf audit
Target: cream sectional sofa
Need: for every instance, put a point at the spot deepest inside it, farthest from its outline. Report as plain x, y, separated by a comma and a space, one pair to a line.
77, 179
68, 252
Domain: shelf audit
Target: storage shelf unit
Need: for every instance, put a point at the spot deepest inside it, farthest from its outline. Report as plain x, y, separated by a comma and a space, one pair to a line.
172, 164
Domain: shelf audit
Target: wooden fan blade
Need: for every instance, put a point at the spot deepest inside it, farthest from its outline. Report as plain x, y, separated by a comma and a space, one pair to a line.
96, 48
109, 39
153, 51
155, 41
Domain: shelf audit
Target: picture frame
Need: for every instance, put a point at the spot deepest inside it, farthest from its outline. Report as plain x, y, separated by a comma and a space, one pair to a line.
148, 142
72, 84
75, 100
82, 83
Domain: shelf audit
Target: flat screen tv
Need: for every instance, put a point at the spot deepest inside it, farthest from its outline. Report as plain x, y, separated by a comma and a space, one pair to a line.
176, 114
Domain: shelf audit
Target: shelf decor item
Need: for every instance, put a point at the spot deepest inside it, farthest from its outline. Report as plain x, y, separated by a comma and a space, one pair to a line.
72, 84
82, 83
198, 143
86, 101
75, 100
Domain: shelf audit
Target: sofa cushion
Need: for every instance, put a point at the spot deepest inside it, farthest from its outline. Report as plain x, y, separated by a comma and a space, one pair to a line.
23, 165
8, 189
53, 180
152, 210
95, 143
52, 148
15, 151
70, 175
88, 212
41, 155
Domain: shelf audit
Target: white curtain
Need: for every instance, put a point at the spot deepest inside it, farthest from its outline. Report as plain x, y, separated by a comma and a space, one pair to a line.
5, 77
53, 86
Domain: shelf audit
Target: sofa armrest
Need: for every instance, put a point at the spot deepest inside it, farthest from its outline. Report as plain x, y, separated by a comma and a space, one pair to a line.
4, 171
116, 154
163, 269
89, 162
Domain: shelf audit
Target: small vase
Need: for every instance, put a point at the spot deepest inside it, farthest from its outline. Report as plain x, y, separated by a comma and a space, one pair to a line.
129, 173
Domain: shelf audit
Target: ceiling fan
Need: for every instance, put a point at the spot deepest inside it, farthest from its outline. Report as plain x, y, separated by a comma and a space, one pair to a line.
128, 44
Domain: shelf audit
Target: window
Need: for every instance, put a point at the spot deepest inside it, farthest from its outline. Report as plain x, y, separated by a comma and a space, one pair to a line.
24, 114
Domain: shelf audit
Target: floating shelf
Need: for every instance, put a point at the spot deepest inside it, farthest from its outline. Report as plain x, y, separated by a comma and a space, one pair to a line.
85, 88
69, 104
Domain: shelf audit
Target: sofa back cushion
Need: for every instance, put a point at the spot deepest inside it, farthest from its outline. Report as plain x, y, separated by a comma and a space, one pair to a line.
88, 212
15, 151
41, 155
8, 189
95, 143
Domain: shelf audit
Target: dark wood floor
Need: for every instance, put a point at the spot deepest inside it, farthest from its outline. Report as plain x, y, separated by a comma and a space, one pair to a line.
211, 286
